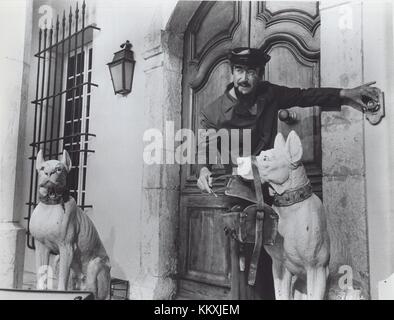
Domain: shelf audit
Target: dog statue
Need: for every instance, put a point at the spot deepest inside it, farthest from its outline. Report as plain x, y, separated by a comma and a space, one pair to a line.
301, 251
59, 226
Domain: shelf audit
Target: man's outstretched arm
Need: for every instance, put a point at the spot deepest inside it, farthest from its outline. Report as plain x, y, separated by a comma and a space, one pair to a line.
328, 98
354, 97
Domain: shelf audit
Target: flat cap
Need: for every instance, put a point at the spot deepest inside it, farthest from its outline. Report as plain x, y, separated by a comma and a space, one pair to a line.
248, 57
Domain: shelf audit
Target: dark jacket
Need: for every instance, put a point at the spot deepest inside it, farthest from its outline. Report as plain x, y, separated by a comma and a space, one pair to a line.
260, 117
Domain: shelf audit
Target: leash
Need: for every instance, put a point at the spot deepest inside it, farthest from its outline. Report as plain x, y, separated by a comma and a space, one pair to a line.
259, 224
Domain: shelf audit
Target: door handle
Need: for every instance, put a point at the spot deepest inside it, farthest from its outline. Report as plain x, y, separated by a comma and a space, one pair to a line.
375, 110
287, 116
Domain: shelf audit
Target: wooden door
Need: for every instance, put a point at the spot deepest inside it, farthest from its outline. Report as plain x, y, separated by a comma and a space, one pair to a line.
289, 31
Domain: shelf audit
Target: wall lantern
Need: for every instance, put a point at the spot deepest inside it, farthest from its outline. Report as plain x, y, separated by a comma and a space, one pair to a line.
122, 69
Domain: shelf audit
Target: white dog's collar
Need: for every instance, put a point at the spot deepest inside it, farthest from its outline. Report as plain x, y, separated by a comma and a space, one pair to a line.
291, 197
64, 197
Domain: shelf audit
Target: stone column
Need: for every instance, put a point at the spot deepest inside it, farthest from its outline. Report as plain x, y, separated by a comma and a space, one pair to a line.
15, 16
378, 57
160, 195
343, 142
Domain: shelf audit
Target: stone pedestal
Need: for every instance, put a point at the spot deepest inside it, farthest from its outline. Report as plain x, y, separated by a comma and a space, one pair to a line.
12, 248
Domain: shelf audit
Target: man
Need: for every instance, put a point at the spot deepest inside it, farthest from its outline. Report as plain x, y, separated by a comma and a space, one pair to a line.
249, 103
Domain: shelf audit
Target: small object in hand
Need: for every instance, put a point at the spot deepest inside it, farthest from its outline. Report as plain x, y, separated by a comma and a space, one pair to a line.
242, 263
213, 192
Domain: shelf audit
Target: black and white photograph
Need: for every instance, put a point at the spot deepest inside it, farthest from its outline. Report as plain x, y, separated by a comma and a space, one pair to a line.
172, 150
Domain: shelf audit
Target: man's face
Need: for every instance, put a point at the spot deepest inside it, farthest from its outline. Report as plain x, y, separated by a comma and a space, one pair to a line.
245, 78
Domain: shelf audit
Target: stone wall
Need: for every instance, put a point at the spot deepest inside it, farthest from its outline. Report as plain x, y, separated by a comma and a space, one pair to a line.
161, 183
15, 21
134, 207
343, 144
378, 57
357, 47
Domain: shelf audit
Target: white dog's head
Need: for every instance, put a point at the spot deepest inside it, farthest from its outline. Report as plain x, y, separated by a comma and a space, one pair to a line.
52, 176
275, 164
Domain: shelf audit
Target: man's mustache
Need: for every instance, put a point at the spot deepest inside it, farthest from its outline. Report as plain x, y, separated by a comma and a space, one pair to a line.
245, 84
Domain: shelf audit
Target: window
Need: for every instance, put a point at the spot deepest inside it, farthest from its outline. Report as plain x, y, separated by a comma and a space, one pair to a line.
62, 105
76, 121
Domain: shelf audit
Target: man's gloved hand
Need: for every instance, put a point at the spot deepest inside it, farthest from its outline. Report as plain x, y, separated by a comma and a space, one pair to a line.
204, 181
355, 96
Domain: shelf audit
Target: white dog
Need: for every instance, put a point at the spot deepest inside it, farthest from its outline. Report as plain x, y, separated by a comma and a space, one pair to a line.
59, 226
302, 248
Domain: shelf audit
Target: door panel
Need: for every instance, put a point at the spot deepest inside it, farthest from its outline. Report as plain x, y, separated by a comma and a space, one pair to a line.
204, 241
277, 7
297, 18
204, 257
206, 72
283, 64
290, 33
212, 89
215, 22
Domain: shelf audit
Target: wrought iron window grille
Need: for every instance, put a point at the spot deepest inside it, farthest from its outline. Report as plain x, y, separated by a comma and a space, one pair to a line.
62, 102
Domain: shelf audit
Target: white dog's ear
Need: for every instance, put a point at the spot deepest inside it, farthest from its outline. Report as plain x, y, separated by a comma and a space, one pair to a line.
294, 147
279, 141
39, 160
66, 160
